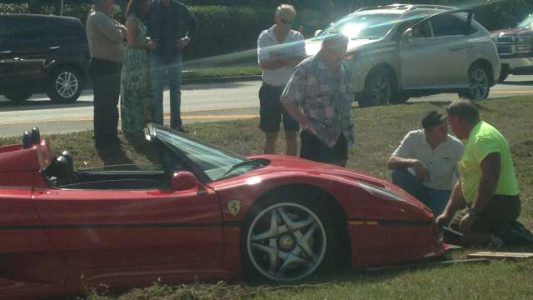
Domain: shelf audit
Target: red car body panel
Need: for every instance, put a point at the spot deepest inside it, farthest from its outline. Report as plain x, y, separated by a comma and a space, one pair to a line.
57, 241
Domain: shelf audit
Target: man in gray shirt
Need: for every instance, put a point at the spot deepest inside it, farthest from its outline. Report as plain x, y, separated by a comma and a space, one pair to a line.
106, 37
425, 162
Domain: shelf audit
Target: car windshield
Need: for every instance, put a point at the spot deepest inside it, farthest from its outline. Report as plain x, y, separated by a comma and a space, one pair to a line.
363, 26
214, 162
526, 23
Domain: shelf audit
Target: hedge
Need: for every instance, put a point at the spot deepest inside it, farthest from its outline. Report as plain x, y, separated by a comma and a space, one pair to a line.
229, 29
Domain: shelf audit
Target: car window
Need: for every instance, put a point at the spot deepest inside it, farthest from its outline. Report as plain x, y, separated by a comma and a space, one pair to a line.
448, 25
214, 162
422, 30
363, 26
22, 32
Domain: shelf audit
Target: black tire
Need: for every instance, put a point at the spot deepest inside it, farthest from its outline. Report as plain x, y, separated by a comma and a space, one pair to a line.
479, 80
400, 98
380, 89
18, 97
296, 258
64, 84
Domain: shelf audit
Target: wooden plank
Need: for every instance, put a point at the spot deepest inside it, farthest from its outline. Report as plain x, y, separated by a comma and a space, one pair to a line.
430, 263
493, 254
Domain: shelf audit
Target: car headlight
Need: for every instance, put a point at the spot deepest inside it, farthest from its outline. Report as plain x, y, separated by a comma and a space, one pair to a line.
380, 192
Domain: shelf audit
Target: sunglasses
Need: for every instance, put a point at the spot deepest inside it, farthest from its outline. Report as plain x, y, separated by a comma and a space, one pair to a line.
287, 22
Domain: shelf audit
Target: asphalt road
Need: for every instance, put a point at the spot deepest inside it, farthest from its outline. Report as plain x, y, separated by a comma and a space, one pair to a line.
201, 103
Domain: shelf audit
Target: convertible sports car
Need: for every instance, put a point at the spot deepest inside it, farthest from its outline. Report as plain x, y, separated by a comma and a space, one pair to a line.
203, 214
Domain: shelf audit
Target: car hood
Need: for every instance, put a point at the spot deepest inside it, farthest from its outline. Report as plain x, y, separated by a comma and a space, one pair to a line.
288, 164
312, 46
283, 163
512, 31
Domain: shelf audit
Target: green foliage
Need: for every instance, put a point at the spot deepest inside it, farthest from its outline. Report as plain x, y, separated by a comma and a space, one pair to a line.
226, 29
235, 27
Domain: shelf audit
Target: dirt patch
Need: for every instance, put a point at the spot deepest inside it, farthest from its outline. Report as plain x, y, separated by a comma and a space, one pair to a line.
524, 149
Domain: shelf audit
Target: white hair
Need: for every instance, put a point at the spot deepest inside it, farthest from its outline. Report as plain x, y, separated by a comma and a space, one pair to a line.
285, 9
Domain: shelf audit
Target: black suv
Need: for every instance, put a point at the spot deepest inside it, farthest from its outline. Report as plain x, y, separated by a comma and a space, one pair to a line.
42, 54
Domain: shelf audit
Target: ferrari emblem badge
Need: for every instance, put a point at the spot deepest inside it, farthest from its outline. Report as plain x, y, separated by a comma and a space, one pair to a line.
234, 206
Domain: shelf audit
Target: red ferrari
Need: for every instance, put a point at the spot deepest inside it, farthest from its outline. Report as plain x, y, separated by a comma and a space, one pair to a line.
202, 214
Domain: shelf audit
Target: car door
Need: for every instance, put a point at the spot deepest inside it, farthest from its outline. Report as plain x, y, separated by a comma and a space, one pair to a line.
437, 60
104, 229
22, 54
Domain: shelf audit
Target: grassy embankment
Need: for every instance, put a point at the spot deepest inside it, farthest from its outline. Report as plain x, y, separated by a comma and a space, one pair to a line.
378, 131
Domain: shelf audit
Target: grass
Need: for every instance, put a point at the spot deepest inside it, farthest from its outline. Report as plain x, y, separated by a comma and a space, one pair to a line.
378, 131
220, 72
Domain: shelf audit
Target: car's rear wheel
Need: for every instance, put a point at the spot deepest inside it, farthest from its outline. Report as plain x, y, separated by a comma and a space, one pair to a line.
379, 89
479, 83
288, 241
64, 85
19, 96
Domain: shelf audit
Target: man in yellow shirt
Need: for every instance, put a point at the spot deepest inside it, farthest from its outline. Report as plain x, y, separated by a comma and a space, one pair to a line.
488, 186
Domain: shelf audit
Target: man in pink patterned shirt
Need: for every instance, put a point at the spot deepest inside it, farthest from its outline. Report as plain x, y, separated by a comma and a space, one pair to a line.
319, 96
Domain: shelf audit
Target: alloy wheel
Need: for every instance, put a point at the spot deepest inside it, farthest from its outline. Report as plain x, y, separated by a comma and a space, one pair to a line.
67, 84
479, 84
379, 89
286, 242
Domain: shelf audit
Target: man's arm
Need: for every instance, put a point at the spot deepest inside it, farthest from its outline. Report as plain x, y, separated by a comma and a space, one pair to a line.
396, 162
297, 115
111, 29
192, 23
271, 64
402, 157
490, 174
455, 203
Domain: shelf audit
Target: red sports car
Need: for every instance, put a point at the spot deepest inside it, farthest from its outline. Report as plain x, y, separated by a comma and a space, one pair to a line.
203, 214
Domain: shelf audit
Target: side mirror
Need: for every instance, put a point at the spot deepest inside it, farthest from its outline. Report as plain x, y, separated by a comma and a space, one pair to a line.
407, 36
317, 32
183, 181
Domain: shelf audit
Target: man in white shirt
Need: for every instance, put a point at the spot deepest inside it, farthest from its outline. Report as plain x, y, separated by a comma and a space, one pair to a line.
279, 50
425, 162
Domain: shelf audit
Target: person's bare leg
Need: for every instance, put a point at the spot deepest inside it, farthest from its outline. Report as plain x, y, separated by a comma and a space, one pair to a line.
292, 145
270, 142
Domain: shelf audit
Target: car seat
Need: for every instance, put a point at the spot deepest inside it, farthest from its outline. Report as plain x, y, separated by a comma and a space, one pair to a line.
65, 169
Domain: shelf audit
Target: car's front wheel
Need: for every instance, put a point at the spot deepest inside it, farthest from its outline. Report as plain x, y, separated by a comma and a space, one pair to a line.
64, 84
479, 83
379, 89
287, 241
18, 96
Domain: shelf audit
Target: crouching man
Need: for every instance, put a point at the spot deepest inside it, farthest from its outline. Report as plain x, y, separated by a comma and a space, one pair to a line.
425, 162
488, 187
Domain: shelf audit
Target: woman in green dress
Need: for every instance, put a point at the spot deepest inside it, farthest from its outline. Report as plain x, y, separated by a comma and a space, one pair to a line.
135, 90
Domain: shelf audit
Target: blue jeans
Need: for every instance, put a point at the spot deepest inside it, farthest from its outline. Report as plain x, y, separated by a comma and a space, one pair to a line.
172, 70
435, 199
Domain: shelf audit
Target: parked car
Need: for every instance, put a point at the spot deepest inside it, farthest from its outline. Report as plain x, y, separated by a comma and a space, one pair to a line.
405, 50
202, 214
42, 54
515, 47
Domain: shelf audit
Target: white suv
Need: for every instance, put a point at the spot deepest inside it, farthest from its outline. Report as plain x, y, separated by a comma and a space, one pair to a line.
402, 50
